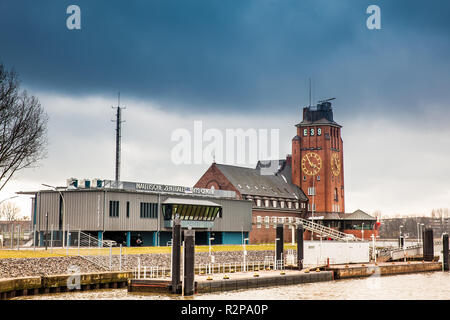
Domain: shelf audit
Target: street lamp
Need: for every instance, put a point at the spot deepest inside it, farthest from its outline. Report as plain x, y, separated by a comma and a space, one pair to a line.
362, 231
8, 199
64, 212
210, 256
275, 257
418, 232
245, 255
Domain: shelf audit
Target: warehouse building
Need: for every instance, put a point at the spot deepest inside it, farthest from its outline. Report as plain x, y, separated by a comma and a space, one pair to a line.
131, 212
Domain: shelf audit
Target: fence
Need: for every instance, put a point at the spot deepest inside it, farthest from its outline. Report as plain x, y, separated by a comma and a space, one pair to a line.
148, 272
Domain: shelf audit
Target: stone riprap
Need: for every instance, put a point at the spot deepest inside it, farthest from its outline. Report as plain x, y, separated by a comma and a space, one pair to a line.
21, 267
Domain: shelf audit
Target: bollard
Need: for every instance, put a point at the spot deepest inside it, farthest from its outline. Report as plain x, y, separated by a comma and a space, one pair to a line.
189, 262
176, 252
445, 252
428, 245
279, 243
300, 249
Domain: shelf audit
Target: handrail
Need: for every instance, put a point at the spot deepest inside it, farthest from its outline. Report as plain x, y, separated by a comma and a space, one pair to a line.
318, 228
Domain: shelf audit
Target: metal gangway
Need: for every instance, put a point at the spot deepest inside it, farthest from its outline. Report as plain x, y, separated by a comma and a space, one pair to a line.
317, 228
325, 231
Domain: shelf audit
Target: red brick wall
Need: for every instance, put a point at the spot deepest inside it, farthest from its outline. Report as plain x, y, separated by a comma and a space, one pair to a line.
268, 235
324, 198
214, 177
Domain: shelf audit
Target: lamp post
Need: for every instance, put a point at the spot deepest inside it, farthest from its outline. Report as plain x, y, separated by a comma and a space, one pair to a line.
210, 256
362, 231
64, 212
8, 199
245, 255
418, 233
275, 257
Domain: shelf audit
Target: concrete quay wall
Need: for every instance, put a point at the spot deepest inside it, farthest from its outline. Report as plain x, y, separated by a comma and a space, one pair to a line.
9, 288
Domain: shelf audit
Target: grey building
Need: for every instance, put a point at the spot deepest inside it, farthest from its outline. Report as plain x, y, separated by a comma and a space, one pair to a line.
127, 211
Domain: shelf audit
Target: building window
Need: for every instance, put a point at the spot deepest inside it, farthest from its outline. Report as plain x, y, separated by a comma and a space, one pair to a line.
318, 178
128, 209
266, 203
282, 204
304, 178
258, 202
303, 205
114, 209
274, 203
335, 194
296, 205
311, 191
149, 210
289, 204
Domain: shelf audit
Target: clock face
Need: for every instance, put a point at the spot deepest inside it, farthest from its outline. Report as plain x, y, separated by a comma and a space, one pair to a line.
311, 163
335, 164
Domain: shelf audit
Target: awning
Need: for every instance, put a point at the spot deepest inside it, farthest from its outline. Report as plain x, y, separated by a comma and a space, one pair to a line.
190, 209
191, 202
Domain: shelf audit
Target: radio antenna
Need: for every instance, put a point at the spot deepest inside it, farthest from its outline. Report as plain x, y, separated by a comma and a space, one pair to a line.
118, 121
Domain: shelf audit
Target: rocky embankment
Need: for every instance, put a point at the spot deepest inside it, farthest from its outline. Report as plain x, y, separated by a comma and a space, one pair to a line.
12, 268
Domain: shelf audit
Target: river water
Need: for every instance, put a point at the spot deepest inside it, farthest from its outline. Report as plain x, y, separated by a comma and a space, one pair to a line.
429, 285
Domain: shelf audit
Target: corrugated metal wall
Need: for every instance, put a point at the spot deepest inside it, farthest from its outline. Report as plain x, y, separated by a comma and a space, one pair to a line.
85, 211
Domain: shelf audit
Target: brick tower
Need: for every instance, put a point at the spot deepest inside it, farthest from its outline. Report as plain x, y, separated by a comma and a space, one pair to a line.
317, 160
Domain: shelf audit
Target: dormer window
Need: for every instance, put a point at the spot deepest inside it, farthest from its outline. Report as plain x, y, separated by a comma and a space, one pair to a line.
274, 203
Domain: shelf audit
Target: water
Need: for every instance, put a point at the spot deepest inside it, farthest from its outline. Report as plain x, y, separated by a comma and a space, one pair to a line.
426, 286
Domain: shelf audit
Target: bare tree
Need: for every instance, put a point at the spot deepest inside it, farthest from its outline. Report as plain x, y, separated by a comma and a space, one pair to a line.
23, 127
9, 211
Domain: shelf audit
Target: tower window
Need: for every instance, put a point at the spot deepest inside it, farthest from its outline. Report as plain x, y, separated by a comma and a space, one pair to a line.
335, 194
311, 191
318, 178
304, 178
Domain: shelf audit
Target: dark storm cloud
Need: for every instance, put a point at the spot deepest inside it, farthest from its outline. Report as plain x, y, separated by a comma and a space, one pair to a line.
238, 55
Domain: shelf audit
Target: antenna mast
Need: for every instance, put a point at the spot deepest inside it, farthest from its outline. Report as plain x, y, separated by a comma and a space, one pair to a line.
310, 92
118, 137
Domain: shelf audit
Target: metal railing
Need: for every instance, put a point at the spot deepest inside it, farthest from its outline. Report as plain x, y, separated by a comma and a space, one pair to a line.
149, 272
317, 228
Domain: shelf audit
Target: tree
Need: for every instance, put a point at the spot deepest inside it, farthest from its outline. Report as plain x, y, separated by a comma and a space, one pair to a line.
23, 127
9, 211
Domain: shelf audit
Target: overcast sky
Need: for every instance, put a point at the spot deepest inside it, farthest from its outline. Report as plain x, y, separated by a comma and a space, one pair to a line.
239, 64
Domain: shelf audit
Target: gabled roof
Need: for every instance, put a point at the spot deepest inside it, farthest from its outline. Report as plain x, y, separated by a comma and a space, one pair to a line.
359, 215
250, 181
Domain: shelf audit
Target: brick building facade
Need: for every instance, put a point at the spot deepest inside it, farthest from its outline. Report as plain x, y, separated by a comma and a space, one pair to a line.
308, 184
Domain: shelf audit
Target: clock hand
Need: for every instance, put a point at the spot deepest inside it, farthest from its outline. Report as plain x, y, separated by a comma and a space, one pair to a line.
310, 163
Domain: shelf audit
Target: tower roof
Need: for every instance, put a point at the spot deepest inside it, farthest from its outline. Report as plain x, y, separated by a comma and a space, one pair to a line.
321, 114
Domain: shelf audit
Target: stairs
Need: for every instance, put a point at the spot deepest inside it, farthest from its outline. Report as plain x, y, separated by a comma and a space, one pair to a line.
325, 231
310, 226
